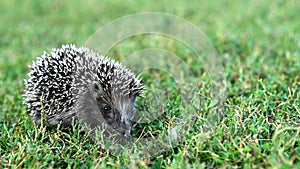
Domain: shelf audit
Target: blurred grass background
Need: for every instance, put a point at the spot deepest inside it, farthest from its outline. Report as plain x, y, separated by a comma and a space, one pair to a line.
258, 43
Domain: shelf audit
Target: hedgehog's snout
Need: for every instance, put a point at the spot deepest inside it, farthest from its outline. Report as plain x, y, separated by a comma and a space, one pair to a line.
126, 129
126, 133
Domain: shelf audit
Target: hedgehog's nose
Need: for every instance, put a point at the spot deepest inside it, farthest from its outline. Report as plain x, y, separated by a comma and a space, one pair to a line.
126, 133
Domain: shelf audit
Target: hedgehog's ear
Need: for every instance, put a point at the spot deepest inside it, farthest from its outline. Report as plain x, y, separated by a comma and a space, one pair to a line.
97, 89
134, 96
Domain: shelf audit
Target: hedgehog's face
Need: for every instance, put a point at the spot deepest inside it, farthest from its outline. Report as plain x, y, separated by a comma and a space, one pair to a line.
118, 110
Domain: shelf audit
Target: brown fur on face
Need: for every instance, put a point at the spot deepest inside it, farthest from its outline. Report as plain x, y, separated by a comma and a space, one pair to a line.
117, 109
96, 107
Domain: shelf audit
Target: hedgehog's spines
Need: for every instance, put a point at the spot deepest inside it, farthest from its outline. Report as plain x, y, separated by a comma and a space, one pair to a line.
62, 75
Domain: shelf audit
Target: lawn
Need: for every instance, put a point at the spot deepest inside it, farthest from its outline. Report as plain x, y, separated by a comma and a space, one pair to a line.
258, 46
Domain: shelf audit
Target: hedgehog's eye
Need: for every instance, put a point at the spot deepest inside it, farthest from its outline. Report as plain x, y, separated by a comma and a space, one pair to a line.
106, 109
107, 113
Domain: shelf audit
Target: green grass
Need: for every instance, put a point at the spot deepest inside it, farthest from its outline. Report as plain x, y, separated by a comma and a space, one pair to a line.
258, 43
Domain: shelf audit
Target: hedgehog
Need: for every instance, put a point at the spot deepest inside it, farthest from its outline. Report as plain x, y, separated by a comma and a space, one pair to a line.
77, 84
